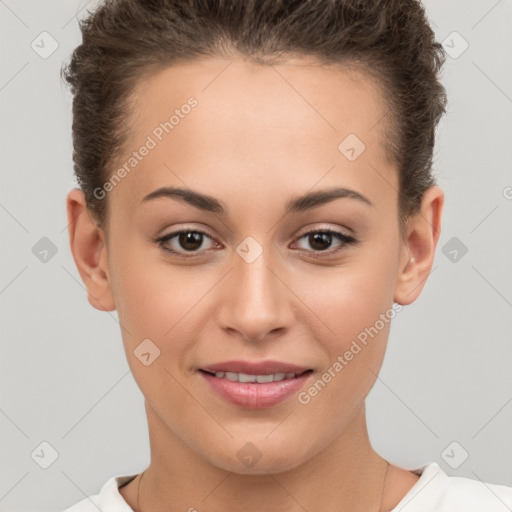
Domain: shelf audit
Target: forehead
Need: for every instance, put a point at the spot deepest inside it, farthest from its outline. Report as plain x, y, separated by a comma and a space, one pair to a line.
295, 119
333, 99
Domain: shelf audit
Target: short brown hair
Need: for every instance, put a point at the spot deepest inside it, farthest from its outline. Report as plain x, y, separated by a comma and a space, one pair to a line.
125, 40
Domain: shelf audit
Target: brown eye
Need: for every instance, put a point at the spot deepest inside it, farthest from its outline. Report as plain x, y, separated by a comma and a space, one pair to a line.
190, 240
320, 241
184, 241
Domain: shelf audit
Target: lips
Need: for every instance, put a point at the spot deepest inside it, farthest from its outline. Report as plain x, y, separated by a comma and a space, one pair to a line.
252, 368
255, 385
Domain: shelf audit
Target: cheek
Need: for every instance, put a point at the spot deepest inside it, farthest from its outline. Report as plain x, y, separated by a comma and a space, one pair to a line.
156, 303
354, 309
354, 306
148, 293
161, 302
351, 297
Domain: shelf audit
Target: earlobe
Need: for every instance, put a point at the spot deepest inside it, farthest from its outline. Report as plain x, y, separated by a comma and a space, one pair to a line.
418, 251
88, 247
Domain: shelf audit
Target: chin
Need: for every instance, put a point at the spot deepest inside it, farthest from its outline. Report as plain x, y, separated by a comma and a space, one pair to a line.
256, 457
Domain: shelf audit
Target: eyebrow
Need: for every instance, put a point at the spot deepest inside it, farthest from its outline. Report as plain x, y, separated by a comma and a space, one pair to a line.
302, 203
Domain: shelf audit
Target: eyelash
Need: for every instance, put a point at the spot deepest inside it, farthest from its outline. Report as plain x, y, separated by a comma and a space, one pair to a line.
346, 239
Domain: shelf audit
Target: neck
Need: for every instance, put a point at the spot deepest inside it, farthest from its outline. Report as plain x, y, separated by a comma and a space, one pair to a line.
347, 475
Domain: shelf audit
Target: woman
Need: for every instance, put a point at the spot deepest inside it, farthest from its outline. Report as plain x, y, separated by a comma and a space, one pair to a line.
256, 201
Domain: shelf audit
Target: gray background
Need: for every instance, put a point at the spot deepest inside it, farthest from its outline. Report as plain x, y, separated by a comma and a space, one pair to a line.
65, 380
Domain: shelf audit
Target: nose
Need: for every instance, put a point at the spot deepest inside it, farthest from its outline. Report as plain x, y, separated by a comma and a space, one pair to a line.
256, 301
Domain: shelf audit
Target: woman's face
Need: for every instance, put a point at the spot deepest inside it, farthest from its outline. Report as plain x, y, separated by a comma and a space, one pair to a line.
248, 283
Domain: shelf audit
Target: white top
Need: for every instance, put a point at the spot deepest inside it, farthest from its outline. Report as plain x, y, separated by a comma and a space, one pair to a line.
435, 491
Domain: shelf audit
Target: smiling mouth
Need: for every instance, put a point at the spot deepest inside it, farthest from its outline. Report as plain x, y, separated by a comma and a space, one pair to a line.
257, 379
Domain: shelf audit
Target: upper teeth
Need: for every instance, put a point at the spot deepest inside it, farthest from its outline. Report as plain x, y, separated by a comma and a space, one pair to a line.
244, 377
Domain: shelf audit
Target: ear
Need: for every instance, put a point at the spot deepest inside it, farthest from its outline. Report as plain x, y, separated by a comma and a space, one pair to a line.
87, 242
418, 250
